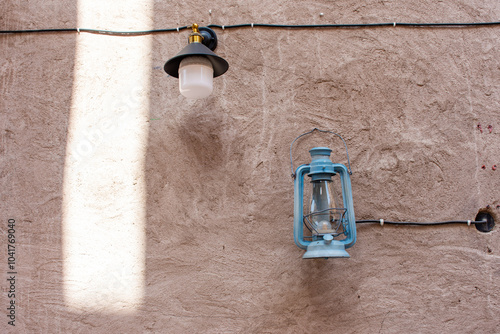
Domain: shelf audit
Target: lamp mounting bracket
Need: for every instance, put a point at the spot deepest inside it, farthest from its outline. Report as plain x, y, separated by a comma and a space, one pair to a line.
209, 37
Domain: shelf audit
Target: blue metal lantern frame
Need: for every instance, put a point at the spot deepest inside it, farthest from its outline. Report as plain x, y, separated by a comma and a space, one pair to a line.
327, 246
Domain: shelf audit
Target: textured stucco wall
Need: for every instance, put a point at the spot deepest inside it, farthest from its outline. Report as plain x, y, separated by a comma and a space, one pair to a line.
138, 211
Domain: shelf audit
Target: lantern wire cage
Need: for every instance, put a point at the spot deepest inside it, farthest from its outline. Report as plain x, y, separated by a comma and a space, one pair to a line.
338, 223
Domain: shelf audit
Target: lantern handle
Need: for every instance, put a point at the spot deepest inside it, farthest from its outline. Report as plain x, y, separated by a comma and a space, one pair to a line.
324, 131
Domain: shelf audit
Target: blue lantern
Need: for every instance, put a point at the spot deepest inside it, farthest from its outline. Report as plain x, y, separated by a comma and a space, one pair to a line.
328, 213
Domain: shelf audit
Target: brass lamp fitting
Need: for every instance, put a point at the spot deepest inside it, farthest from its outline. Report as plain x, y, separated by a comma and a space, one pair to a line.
196, 36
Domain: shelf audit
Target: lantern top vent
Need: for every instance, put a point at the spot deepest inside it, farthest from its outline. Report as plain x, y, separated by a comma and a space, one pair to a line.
320, 151
321, 165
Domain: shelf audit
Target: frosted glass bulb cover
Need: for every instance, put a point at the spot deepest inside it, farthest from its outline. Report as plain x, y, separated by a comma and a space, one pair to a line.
196, 77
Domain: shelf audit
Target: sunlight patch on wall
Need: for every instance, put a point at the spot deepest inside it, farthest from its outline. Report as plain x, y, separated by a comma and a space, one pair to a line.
104, 183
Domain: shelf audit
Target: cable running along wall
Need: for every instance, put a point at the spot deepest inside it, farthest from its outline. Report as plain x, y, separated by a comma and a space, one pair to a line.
259, 25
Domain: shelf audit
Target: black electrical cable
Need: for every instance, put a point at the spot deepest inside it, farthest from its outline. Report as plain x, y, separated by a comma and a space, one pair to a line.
27, 31
434, 25
301, 26
131, 33
94, 31
253, 25
360, 25
383, 222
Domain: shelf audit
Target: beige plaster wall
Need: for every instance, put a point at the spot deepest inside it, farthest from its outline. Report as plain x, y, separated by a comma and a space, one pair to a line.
138, 211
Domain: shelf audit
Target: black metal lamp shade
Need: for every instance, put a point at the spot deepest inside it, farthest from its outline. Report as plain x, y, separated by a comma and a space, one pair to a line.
219, 64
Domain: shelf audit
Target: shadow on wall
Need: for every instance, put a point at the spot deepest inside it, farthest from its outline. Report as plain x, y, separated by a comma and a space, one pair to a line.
36, 91
201, 136
72, 139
